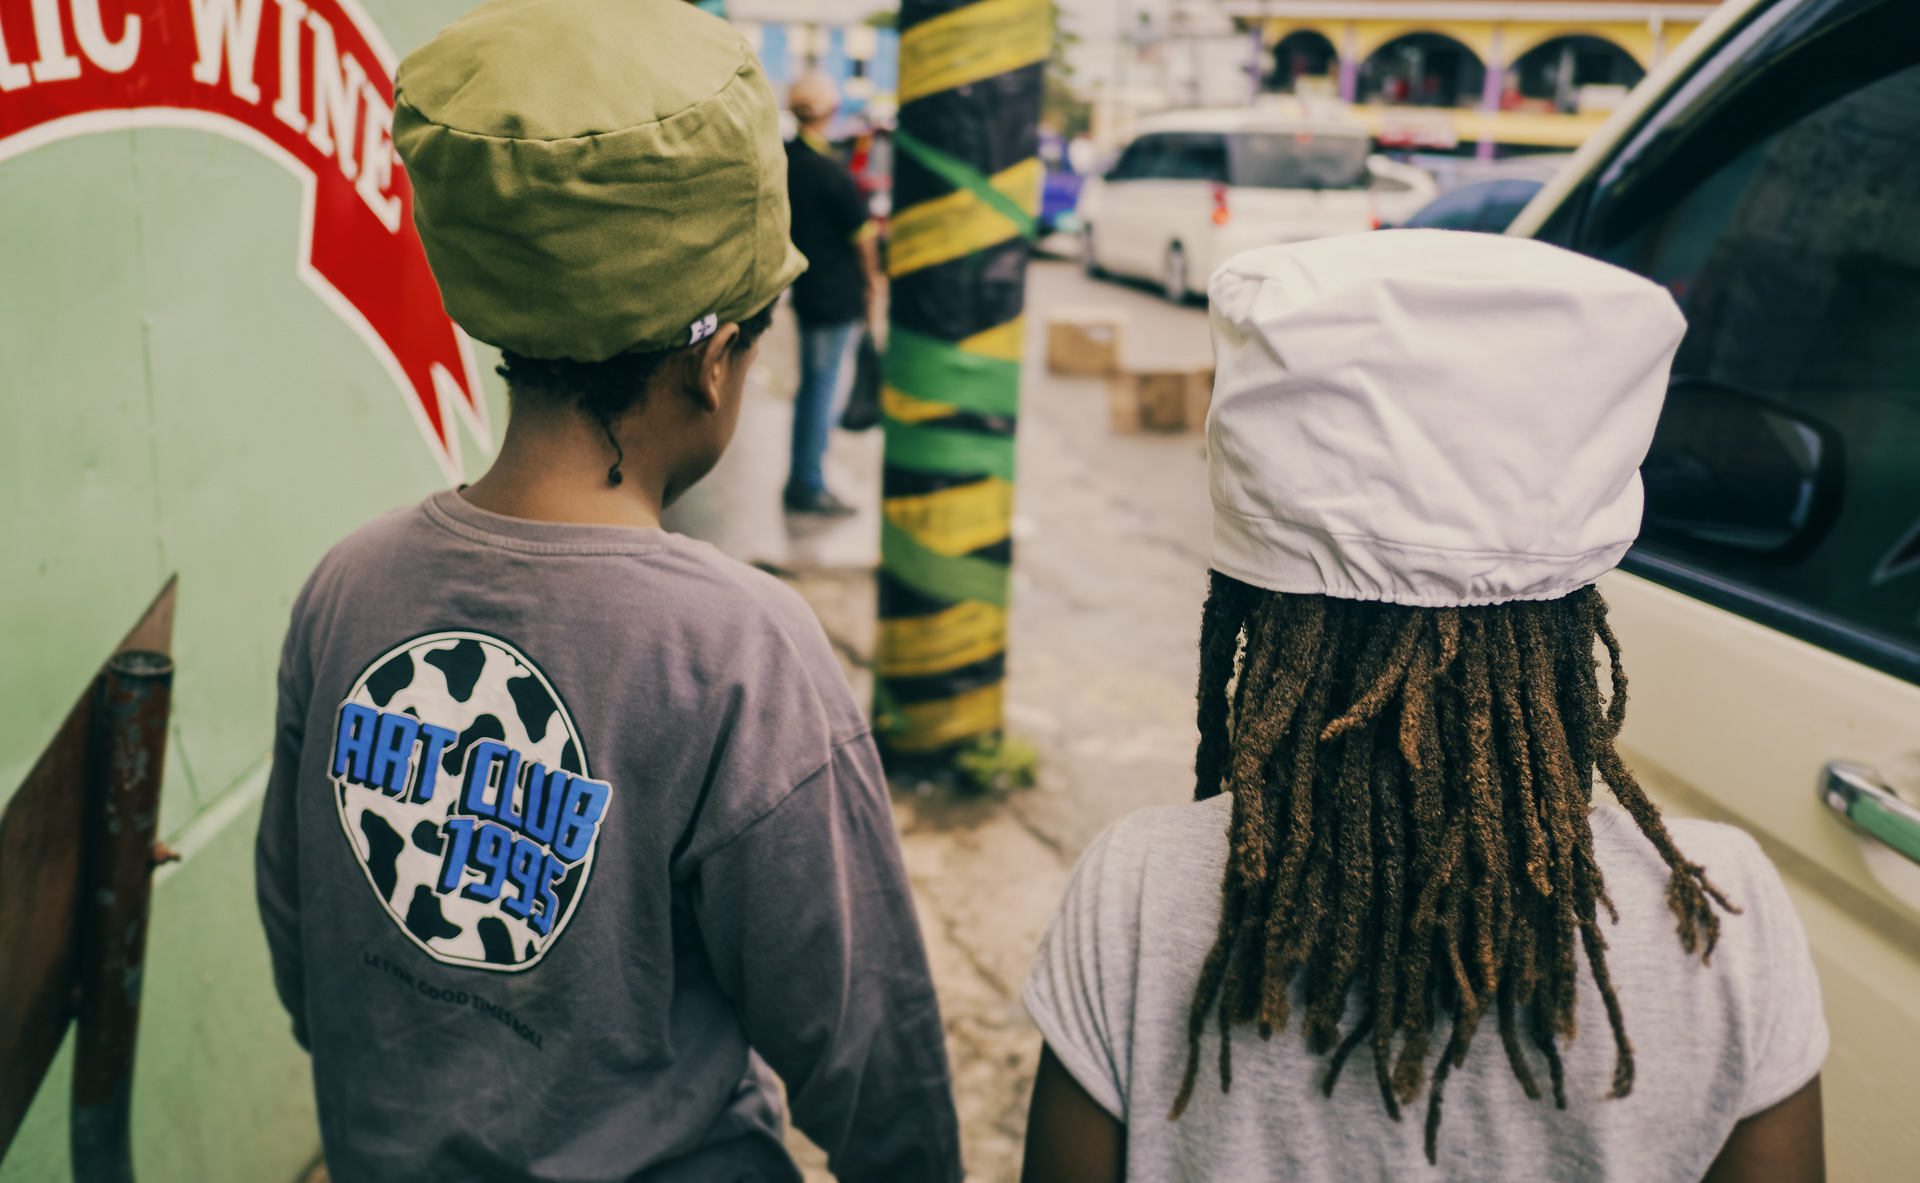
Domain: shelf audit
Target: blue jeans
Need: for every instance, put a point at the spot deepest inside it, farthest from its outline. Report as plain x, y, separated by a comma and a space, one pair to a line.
823, 357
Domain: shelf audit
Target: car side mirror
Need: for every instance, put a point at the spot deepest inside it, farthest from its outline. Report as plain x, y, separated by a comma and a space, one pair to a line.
1735, 471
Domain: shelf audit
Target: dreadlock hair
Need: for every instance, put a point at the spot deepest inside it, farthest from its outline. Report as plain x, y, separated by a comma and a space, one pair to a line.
1410, 793
607, 390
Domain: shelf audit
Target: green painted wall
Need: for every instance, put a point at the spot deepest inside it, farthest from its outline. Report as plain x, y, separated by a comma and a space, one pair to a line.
177, 400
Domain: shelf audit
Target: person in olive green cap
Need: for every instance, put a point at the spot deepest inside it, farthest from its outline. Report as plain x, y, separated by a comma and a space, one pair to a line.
575, 836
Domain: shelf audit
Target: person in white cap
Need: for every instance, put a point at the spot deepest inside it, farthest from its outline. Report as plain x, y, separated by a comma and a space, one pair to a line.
840, 291
1398, 883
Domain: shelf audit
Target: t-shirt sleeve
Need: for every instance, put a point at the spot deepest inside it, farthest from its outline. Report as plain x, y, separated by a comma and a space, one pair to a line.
1788, 1030
809, 922
1080, 991
277, 843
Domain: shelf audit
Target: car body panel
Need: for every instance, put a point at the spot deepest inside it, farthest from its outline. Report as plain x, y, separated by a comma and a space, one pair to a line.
1267, 217
1128, 229
1735, 719
1138, 221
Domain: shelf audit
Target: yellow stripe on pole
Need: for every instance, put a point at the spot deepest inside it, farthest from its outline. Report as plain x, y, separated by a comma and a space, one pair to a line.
971, 43
1002, 342
918, 646
903, 407
930, 726
958, 223
958, 520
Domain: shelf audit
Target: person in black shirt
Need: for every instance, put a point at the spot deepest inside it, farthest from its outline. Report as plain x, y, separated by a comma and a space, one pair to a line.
840, 289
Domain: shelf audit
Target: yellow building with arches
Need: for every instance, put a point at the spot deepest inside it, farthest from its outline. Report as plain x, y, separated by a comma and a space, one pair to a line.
1489, 76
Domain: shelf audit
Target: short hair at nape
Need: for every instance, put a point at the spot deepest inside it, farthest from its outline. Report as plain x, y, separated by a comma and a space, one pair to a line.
607, 390
1410, 793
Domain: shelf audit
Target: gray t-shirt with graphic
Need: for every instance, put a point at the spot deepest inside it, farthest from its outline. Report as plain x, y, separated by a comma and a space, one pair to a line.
572, 831
1114, 981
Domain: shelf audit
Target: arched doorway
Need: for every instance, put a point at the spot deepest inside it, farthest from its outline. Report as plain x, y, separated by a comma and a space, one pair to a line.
1422, 70
1569, 74
1301, 56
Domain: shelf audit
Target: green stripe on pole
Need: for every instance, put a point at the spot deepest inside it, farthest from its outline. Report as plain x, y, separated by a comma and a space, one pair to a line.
950, 577
961, 175
929, 368
933, 449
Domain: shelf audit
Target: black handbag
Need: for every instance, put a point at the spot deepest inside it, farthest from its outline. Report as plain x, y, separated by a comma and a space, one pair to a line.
863, 401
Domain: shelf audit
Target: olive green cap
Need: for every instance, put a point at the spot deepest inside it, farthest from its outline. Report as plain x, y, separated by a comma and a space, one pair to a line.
592, 177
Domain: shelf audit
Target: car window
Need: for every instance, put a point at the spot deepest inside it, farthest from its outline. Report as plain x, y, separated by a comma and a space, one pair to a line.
1458, 210
1298, 160
1504, 201
1797, 264
1194, 157
1487, 206
1140, 160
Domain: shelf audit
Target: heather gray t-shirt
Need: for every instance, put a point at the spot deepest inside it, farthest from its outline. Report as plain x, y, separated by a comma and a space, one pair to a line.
571, 832
1114, 981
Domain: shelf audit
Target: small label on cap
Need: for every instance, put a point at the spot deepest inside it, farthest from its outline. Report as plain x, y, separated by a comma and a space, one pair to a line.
703, 328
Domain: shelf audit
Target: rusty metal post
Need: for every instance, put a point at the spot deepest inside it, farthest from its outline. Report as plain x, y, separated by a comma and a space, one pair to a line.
130, 746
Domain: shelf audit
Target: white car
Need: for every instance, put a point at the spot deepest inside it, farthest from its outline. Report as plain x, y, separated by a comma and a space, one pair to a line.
1195, 187
1767, 172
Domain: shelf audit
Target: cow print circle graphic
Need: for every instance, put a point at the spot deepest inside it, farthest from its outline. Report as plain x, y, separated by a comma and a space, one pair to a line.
462, 697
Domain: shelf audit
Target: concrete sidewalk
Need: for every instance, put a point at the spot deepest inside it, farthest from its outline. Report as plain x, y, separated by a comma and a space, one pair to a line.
1109, 573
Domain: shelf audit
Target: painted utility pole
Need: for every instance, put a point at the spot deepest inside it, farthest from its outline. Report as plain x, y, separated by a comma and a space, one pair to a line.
966, 190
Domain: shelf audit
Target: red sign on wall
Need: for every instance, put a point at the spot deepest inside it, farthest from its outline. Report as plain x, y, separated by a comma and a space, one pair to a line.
307, 82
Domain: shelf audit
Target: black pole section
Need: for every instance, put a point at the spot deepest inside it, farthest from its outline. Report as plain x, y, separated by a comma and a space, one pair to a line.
123, 806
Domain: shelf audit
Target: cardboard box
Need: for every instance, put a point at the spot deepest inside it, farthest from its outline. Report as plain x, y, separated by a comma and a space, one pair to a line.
1160, 400
1085, 340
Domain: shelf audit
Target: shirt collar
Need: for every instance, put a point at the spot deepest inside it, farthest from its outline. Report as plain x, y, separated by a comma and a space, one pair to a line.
816, 141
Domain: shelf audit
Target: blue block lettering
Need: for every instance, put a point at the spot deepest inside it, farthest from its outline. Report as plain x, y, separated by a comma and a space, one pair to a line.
525, 865
435, 740
492, 846
505, 808
391, 752
580, 817
353, 745
546, 792
548, 912
459, 832
480, 762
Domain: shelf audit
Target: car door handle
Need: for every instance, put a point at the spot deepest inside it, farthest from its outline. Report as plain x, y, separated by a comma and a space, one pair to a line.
1856, 793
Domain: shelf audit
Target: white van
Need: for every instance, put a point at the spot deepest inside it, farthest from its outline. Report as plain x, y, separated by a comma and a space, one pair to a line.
1195, 187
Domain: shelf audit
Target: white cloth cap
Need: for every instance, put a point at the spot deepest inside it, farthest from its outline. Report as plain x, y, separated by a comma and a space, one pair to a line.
1431, 417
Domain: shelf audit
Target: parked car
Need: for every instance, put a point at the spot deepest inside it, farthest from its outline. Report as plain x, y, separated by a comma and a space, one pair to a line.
1486, 206
1454, 172
1487, 197
1195, 187
1768, 173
